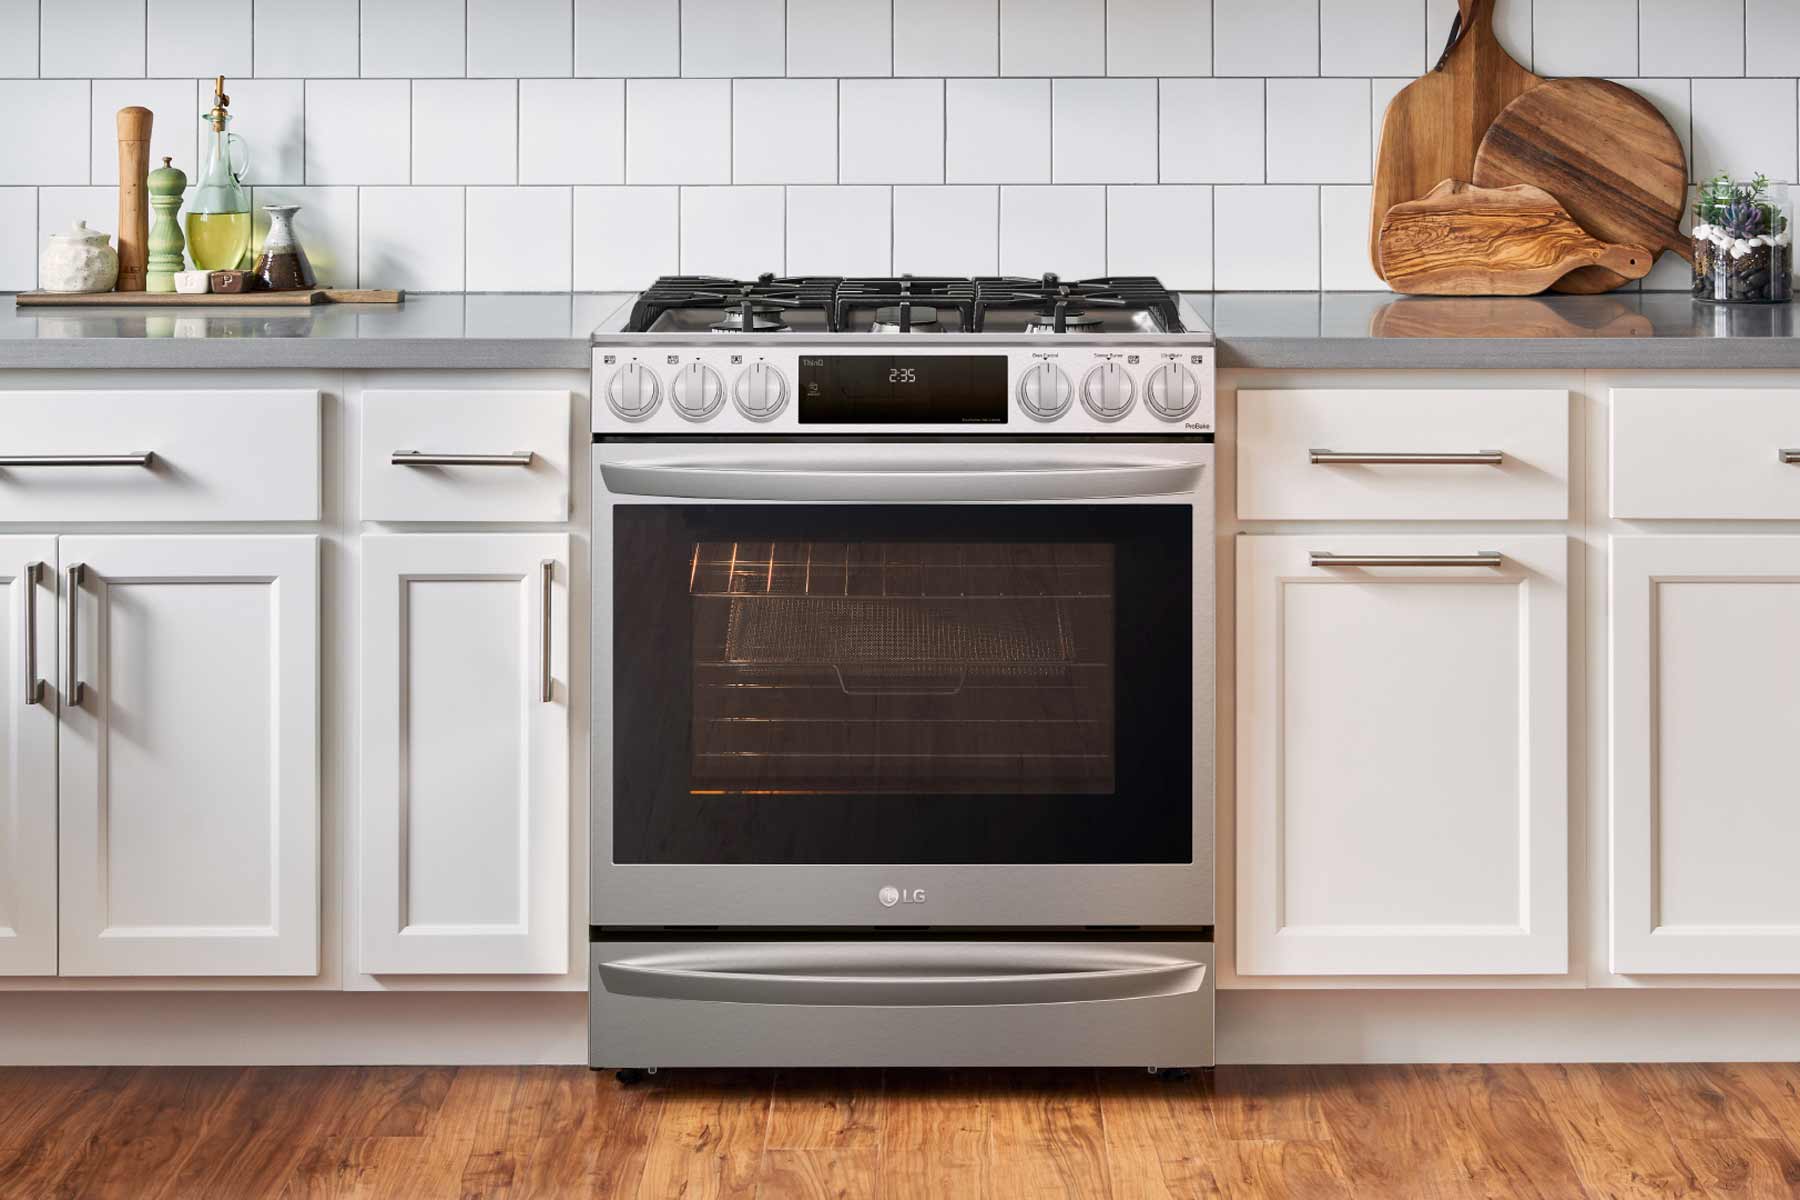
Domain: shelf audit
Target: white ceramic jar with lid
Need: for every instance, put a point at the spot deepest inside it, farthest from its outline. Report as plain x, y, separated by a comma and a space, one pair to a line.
80, 260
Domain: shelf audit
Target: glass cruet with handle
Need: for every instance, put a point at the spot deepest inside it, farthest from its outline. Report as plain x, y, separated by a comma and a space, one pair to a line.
218, 222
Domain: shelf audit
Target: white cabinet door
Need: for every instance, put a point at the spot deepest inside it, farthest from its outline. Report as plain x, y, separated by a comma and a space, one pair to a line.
28, 756
1705, 811
190, 756
465, 759
1402, 757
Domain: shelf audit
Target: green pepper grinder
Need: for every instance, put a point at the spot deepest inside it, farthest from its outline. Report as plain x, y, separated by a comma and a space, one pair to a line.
166, 183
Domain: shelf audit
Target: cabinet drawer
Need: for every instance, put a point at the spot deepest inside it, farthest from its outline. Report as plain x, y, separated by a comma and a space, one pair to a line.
1463, 454
465, 456
159, 456
1706, 452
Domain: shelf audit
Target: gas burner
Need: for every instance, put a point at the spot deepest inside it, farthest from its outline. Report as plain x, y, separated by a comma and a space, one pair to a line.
1059, 307
761, 318
1072, 321
906, 318
731, 306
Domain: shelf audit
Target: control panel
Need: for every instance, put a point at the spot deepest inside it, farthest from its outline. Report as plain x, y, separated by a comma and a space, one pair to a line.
1060, 387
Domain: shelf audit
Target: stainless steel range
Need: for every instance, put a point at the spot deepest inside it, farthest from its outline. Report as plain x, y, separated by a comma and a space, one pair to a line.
903, 728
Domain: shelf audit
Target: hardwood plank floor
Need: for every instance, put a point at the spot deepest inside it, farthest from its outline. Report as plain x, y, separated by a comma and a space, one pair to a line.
1555, 1132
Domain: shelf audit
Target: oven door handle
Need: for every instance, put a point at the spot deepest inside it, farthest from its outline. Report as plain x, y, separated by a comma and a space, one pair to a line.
873, 975
874, 481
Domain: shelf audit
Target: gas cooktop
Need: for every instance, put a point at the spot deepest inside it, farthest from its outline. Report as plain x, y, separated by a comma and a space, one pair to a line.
907, 305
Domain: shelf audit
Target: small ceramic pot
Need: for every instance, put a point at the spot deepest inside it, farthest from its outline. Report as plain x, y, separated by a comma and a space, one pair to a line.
81, 260
193, 283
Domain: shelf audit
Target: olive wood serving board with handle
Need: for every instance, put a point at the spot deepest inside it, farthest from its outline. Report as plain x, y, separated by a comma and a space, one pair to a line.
1435, 124
1462, 240
299, 299
1607, 154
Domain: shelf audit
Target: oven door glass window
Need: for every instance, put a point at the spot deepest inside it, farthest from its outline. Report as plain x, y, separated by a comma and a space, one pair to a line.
913, 684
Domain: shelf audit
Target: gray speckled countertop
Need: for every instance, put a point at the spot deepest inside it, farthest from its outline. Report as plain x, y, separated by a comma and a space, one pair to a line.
1274, 329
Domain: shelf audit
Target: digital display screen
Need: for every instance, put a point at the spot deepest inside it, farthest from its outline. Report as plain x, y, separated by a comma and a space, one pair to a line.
902, 389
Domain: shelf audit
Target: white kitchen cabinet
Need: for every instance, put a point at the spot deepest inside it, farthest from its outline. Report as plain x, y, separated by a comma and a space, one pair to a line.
464, 825
189, 756
1402, 757
1705, 814
28, 698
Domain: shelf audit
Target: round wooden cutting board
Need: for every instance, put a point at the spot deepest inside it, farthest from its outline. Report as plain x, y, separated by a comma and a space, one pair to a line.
1606, 154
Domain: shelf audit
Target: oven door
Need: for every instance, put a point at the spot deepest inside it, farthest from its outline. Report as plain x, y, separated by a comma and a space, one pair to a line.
903, 685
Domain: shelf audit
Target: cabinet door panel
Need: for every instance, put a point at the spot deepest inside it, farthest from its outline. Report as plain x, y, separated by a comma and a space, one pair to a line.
1705, 816
189, 762
465, 769
1402, 758
28, 756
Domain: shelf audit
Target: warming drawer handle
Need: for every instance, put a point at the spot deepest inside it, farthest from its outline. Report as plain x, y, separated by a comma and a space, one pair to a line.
137, 458
1481, 558
858, 984
875, 482
429, 458
1789, 457
1475, 458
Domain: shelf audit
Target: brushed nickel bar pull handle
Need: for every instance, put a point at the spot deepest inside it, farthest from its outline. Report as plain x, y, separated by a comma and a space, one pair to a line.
1477, 458
1481, 558
547, 568
77, 689
1788, 456
427, 458
34, 687
136, 458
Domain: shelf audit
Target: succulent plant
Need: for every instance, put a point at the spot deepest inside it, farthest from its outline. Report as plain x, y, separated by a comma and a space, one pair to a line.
1743, 219
1741, 210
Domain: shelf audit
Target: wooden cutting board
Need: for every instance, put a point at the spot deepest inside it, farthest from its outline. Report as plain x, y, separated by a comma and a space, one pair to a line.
1462, 240
299, 299
1434, 126
1606, 154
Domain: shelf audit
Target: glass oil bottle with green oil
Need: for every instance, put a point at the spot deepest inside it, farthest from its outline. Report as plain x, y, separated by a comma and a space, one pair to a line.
218, 220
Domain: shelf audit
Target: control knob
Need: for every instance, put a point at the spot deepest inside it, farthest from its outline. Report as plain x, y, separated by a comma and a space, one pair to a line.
1172, 391
1107, 392
633, 391
761, 392
697, 392
1045, 392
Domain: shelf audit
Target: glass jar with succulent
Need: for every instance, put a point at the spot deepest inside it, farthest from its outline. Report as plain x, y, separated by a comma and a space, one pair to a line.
1743, 242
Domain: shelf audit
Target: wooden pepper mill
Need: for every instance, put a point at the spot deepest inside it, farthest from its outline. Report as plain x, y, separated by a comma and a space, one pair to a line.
166, 184
134, 207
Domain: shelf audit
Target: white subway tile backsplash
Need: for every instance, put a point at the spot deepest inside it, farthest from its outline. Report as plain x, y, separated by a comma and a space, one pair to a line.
1165, 231
1268, 37
61, 207
1584, 37
998, 131
1318, 131
891, 131
1103, 131
1266, 239
727, 38
43, 151
521, 239
318, 39
785, 131
326, 226
1344, 264
947, 230
628, 37
738, 232
1371, 37
573, 131
18, 238
402, 38
371, 131
1744, 126
1060, 229
1159, 37
411, 237
947, 37
625, 236
1053, 37
195, 37
270, 115
174, 132
509, 38
19, 44
1773, 37
465, 131
839, 230
1679, 37
836, 38
91, 38
1211, 131
678, 131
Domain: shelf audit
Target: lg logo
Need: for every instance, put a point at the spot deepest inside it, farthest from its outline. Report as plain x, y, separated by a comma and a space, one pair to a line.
890, 896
